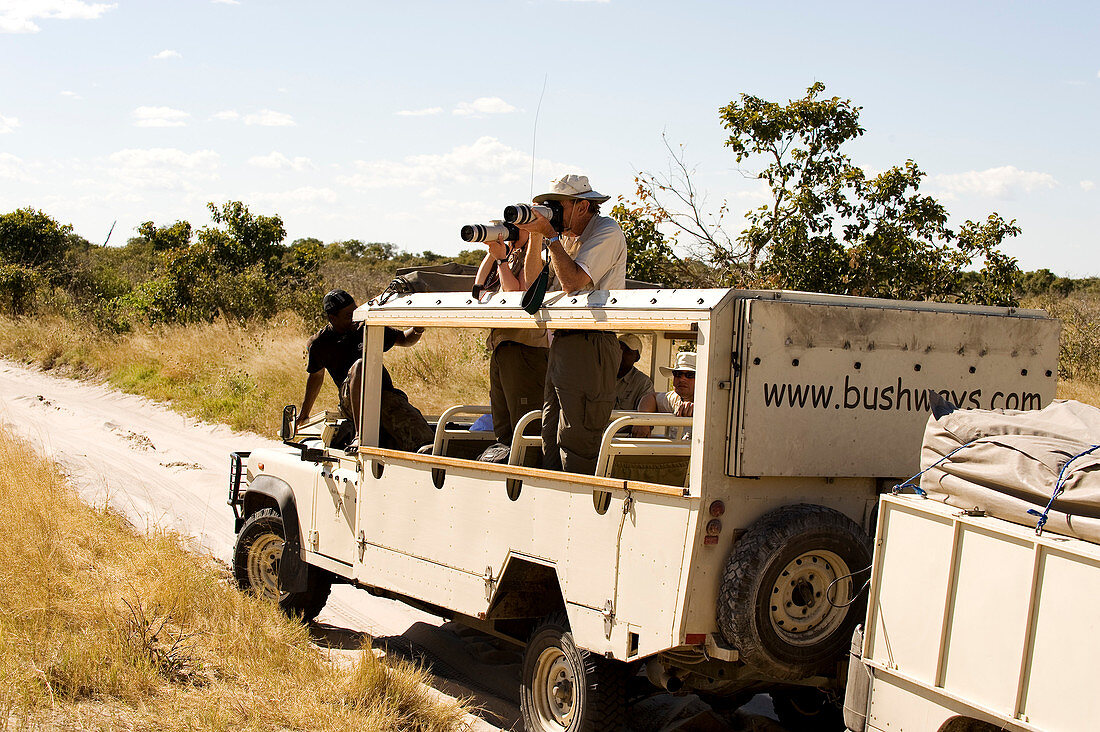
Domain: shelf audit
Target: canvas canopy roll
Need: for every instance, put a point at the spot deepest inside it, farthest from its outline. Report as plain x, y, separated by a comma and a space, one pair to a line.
1009, 462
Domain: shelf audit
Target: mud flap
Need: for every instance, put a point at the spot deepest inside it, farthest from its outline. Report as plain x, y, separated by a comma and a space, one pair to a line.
858, 687
293, 572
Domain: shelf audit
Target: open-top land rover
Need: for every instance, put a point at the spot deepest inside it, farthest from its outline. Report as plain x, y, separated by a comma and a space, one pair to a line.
727, 563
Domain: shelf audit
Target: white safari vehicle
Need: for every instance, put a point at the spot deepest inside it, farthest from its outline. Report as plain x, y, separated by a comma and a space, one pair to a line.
725, 564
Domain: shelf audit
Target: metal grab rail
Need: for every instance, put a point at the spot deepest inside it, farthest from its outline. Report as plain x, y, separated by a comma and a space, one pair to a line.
520, 441
612, 445
444, 435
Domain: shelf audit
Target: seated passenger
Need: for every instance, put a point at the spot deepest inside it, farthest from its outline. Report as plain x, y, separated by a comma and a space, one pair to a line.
679, 401
337, 348
631, 384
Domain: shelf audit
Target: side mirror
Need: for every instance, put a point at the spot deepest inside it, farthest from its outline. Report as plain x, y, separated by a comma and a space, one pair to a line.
290, 415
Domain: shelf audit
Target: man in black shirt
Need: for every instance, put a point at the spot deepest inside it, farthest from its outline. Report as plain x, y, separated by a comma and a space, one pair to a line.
338, 349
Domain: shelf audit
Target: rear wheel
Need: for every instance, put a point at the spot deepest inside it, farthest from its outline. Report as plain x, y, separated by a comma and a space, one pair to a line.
788, 601
568, 688
256, 567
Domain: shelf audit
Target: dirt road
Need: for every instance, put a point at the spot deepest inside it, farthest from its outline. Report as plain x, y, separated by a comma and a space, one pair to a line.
166, 471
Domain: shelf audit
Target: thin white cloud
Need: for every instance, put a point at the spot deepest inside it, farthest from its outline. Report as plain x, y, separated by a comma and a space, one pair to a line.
1087, 185
8, 124
277, 161
269, 118
419, 112
162, 168
71, 95
482, 106
226, 2
486, 161
1002, 182
299, 200
159, 117
18, 16
167, 53
227, 114
11, 167
602, 2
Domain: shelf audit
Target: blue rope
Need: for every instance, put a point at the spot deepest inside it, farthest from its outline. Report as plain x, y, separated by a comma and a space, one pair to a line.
1059, 487
907, 483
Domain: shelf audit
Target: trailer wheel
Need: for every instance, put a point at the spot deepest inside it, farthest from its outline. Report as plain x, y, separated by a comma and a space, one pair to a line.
807, 709
256, 558
786, 597
566, 688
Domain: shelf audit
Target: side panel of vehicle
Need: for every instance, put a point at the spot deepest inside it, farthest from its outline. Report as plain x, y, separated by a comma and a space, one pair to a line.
334, 511
820, 385
448, 545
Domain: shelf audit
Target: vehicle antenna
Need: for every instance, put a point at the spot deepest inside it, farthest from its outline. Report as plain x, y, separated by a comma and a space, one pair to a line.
109, 232
534, 132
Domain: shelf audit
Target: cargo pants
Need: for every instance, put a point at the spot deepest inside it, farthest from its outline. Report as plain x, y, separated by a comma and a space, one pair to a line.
517, 384
580, 392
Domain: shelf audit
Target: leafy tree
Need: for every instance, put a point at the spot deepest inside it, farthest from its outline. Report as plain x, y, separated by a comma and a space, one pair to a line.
671, 198
18, 285
164, 238
32, 238
238, 267
649, 256
38, 256
828, 227
244, 240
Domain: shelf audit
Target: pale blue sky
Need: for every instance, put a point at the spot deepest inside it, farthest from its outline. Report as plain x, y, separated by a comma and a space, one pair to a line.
400, 122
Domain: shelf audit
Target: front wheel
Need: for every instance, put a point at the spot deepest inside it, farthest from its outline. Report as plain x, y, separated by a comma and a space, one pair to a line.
256, 567
568, 688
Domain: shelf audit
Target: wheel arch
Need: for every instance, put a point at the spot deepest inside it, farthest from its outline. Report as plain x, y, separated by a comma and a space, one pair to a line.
527, 591
267, 491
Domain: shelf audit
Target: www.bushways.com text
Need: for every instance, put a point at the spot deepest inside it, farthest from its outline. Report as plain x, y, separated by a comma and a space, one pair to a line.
897, 396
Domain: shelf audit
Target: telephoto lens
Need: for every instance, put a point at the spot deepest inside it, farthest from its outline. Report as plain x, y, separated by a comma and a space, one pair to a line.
524, 213
489, 232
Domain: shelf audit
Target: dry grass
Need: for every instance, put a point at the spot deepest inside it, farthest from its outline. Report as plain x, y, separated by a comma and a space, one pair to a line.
1079, 353
241, 375
103, 628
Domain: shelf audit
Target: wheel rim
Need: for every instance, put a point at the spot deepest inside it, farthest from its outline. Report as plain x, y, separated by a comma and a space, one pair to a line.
263, 565
554, 688
803, 604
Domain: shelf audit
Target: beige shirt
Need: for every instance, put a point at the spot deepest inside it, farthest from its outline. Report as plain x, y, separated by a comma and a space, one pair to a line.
600, 251
668, 403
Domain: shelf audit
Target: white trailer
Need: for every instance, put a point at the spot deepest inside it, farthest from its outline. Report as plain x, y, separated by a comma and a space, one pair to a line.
977, 624
732, 578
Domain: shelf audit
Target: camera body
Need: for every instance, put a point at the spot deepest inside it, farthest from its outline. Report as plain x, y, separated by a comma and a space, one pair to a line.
524, 213
489, 232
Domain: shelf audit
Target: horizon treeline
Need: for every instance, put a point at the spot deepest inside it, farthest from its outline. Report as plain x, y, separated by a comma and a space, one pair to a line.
240, 267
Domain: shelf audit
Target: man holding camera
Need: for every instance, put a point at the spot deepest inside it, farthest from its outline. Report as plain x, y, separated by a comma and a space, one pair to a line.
588, 253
